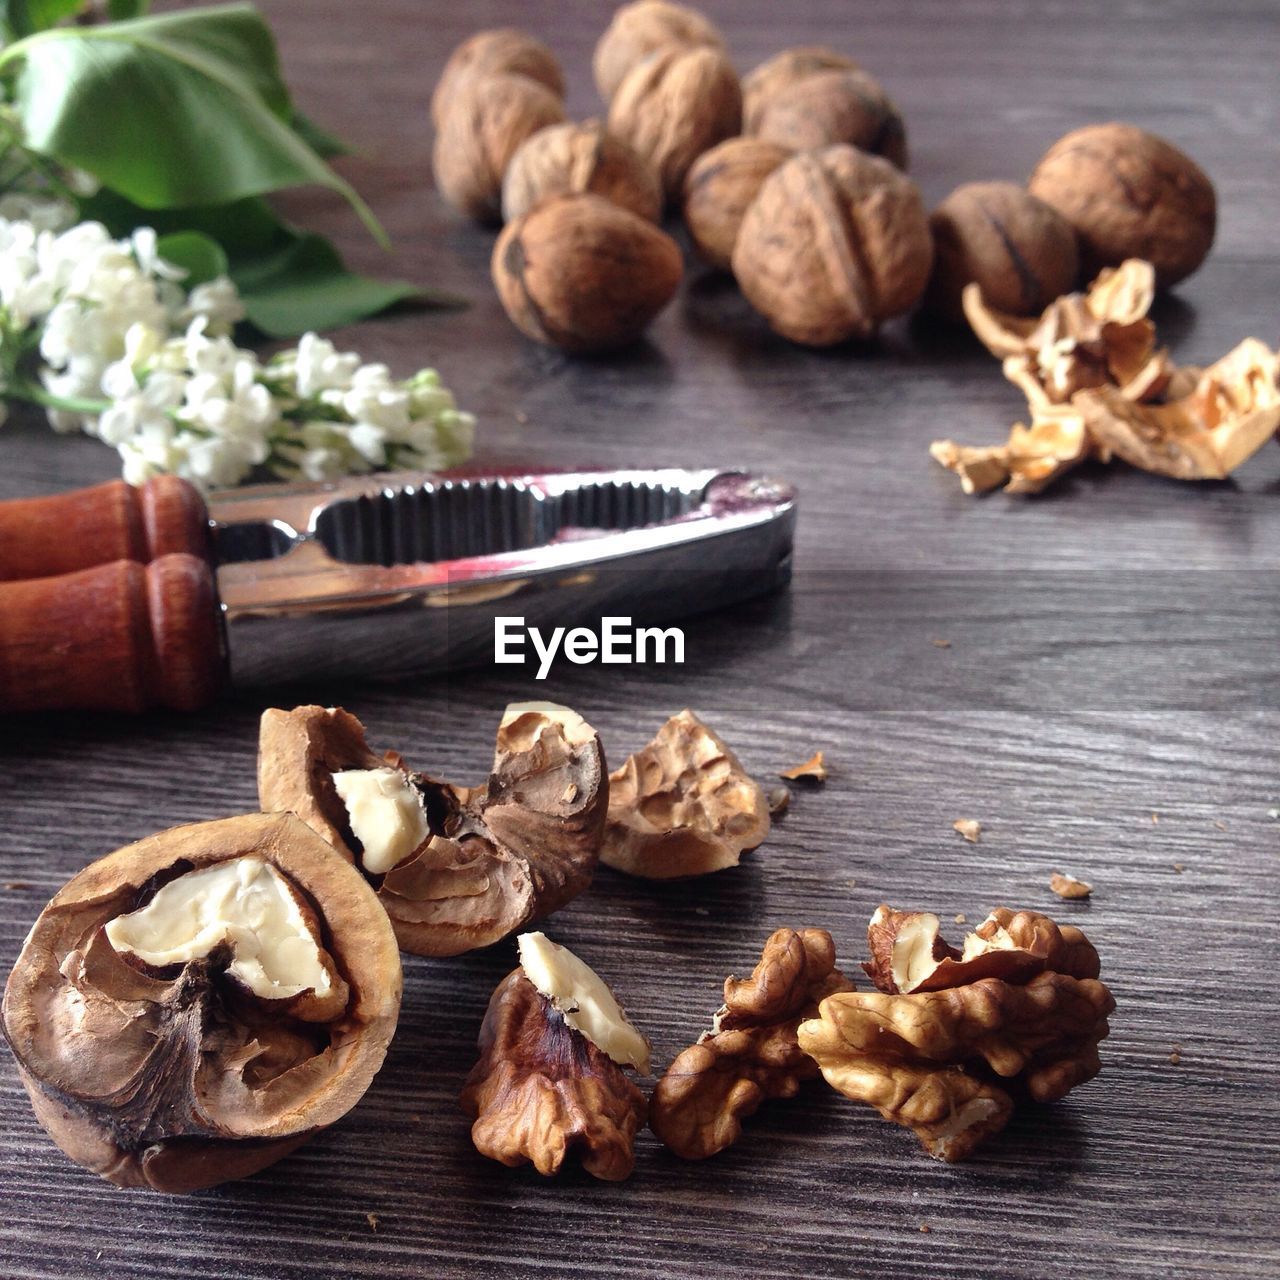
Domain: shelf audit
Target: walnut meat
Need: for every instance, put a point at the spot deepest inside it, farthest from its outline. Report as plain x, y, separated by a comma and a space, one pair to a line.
580, 273
828, 107
947, 1062
719, 189
1021, 253
484, 123
836, 242
501, 51
761, 86
193, 1007
570, 159
675, 105
1129, 194
683, 806
495, 856
551, 1082
643, 28
750, 1054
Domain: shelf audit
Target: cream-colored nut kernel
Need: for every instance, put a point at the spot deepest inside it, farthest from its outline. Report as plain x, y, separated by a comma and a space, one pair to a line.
583, 998
577, 732
386, 815
245, 903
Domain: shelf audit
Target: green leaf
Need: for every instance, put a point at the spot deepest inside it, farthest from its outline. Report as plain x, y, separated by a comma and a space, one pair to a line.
24, 17
318, 138
118, 10
175, 110
200, 256
290, 281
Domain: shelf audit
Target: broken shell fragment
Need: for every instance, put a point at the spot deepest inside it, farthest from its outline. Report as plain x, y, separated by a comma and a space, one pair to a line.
682, 806
550, 1080
812, 770
191, 1008
494, 856
750, 1054
1068, 886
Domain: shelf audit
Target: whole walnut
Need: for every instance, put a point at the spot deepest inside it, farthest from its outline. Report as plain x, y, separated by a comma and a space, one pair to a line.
835, 106
675, 105
836, 242
720, 188
1129, 194
1022, 253
567, 159
484, 124
642, 28
780, 72
494, 52
579, 272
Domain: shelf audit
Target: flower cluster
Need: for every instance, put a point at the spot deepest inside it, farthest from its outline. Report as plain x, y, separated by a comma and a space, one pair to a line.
103, 334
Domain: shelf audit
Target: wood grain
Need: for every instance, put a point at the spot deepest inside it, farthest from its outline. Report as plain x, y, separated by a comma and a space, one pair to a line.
1108, 705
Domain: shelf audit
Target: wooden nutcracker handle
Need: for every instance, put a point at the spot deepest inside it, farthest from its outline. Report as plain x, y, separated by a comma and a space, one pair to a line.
117, 637
40, 537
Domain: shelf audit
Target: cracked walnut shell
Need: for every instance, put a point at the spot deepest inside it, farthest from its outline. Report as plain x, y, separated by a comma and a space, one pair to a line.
582, 274
641, 29
570, 159
948, 1063
835, 243
548, 1084
750, 1054
493, 857
682, 806
675, 105
193, 1007
1129, 194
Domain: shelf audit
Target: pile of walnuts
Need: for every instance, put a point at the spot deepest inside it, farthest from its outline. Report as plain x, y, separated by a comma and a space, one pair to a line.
792, 178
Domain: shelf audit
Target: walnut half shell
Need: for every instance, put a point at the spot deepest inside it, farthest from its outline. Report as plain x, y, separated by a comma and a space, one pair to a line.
161, 1055
495, 856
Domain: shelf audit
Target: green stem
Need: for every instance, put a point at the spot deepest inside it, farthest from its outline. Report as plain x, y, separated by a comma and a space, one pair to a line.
33, 393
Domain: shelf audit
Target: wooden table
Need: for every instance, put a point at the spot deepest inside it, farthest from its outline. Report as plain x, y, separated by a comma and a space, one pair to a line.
1091, 674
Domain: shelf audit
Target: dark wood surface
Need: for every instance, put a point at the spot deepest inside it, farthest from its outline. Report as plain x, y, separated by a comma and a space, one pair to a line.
1108, 705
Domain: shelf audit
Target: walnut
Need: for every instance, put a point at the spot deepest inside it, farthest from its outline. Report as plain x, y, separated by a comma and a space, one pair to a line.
683, 806
643, 28
750, 1053
719, 189
493, 857
568, 159
1021, 253
191, 1008
1232, 411
501, 51
484, 123
835, 106
1129, 194
580, 273
947, 1061
675, 105
780, 72
550, 1079
836, 243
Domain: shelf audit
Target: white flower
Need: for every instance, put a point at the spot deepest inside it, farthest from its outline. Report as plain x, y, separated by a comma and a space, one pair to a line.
318, 365
218, 301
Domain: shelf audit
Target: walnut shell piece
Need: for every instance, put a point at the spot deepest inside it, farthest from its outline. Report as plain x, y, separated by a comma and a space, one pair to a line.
182, 1075
719, 189
835, 243
499, 855
543, 1089
503, 50
569, 159
1029, 461
682, 806
486, 120
580, 273
772, 77
1021, 253
948, 1062
642, 28
1129, 194
675, 105
750, 1054
830, 107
